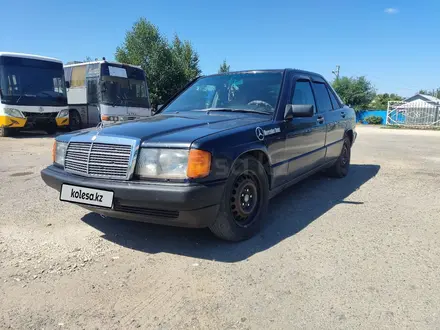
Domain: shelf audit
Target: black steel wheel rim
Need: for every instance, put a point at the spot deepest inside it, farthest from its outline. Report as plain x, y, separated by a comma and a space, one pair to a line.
244, 202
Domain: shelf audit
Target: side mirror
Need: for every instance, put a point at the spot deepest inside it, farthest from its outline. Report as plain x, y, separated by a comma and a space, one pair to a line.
298, 110
67, 84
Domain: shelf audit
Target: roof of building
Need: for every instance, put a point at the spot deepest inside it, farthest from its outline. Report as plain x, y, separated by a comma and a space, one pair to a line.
31, 56
431, 98
423, 97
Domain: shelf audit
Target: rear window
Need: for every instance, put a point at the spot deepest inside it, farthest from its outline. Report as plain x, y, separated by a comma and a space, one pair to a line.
124, 71
322, 97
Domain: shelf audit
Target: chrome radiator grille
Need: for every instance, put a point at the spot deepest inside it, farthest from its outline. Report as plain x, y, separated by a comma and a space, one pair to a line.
98, 159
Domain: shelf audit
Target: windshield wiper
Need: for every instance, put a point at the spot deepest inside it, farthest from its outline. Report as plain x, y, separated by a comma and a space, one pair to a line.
234, 110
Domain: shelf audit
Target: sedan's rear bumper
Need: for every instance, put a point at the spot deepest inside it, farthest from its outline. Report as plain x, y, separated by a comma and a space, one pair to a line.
186, 205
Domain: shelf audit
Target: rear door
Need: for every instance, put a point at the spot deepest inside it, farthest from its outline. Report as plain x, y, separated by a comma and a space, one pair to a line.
305, 137
334, 115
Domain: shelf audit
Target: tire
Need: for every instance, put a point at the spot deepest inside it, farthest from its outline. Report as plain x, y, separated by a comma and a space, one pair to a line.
9, 131
5, 132
341, 168
244, 203
75, 122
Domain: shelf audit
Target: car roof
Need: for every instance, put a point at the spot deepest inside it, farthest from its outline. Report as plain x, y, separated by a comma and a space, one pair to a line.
309, 73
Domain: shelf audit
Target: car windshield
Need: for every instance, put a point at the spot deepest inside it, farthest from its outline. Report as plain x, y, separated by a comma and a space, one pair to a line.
32, 82
253, 92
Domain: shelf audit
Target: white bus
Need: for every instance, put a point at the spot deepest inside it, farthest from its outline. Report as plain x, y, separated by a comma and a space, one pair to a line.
32, 94
103, 91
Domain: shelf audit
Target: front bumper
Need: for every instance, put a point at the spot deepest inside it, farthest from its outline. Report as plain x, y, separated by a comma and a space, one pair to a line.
13, 122
62, 122
185, 205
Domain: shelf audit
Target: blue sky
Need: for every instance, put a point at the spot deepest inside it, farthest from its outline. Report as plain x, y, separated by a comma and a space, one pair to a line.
396, 44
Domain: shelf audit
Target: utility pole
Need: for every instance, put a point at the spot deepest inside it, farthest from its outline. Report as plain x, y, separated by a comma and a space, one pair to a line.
336, 72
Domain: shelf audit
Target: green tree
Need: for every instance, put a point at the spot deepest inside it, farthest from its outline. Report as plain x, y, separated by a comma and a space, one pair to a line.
434, 92
224, 67
186, 57
168, 66
380, 101
357, 92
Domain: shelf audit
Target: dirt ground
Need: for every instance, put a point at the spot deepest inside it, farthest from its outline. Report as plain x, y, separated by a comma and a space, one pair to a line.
358, 253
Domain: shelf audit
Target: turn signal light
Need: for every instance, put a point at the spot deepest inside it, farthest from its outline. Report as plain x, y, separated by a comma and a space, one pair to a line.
105, 118
199, 164
54, 150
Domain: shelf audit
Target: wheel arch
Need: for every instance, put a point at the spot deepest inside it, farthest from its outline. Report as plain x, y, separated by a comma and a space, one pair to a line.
349, 133
260, 155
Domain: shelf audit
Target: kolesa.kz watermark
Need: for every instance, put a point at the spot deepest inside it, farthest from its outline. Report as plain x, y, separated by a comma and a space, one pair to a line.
79, 194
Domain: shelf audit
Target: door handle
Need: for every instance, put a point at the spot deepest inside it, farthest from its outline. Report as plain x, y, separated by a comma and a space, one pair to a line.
320, 120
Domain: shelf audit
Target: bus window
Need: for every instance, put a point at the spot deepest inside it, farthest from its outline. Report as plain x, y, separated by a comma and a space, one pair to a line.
78, 76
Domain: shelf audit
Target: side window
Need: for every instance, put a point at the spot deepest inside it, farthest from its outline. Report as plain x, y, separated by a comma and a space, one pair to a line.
322, 97
92, 91
68, 74
303, 93
335, 102
78, 76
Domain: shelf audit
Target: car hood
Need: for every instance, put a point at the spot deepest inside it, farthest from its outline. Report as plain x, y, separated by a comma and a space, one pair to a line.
173, 128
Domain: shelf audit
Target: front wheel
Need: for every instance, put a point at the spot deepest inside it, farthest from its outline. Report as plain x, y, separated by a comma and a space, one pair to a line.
245, 201
4, 132
341, 167
74, 120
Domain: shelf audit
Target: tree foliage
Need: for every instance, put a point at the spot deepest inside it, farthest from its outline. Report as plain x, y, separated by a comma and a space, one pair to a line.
357, 92
380, 101
434, 92
168, 66
224, 67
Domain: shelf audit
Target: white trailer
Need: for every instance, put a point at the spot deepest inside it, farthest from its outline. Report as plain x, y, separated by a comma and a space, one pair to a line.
32, 93
103, 91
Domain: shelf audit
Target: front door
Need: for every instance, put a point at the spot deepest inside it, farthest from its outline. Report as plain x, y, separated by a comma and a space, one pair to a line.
305, 137
93, 114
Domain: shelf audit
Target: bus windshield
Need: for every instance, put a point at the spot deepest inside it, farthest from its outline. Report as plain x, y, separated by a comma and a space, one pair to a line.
124, 85
26, 81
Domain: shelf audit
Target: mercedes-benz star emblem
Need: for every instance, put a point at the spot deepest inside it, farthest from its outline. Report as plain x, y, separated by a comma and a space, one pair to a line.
41, 109
94, 137
259, 133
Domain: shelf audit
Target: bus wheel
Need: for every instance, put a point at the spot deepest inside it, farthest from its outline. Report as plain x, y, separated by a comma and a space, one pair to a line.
74, 120
5, 132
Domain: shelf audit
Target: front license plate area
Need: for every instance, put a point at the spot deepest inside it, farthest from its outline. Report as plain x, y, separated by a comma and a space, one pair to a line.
88, 196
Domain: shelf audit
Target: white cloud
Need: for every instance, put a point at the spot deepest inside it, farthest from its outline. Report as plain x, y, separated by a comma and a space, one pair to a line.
391, 11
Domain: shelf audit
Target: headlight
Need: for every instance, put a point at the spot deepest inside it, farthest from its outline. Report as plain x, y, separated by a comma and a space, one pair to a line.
63, 113
112, 118
59, 152
173, 163
13, 112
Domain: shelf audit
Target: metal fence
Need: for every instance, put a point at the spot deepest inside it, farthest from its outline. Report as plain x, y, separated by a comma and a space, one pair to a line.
414, 113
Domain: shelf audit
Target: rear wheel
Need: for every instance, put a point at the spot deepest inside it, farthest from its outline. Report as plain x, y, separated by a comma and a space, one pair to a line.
74, 120
245, 201
341, 167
